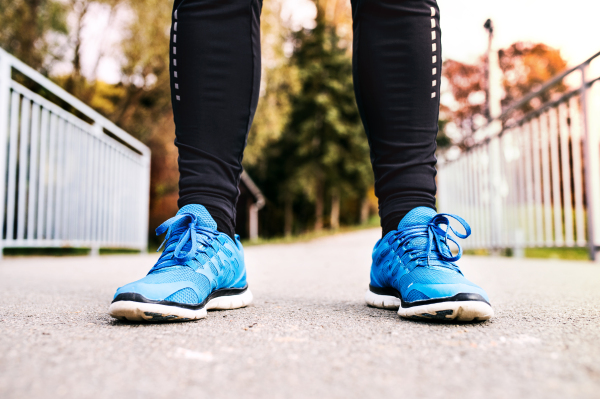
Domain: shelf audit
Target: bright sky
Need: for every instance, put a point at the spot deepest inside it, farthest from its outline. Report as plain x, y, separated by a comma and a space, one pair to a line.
571, 26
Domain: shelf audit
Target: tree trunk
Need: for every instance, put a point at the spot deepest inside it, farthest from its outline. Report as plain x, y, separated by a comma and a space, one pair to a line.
288, 217
319, 207
364, 211
335, 210
29, 34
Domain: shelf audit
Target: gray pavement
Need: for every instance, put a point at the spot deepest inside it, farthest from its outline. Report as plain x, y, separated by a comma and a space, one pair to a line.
308, 334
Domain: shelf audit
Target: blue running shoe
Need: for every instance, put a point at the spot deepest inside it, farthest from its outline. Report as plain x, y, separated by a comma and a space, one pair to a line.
199, 269
413, 271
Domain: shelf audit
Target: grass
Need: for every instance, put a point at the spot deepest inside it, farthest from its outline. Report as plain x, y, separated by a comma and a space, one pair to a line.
476, 252
539, 253
311, 235
558, 253
46, 251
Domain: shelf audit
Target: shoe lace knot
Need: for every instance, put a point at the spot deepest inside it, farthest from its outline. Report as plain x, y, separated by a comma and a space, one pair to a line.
184, 229
435, 246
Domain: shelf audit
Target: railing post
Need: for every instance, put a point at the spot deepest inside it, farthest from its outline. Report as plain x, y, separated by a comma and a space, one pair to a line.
94, 220
253, 222
519, 244
145, 208
591, 168
94, 251
5, 77
496, 209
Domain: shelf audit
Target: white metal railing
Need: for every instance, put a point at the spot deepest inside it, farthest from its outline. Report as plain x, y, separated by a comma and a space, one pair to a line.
65, 182
533, 181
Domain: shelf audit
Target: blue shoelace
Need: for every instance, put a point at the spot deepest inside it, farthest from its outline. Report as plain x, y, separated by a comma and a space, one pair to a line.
437, 241
183, 229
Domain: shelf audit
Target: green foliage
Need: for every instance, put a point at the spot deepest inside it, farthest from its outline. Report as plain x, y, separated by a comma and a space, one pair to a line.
279, 82
146, 100
325, 138
565, 253
145, 109
442, 140
558, 253
32, 30
322, 151
372, 223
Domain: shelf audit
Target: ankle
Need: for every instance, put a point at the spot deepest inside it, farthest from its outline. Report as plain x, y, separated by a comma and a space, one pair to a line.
224, 222
391, 220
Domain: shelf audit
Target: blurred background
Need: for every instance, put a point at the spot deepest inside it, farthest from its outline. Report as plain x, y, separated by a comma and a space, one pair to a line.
99, 178
114, 56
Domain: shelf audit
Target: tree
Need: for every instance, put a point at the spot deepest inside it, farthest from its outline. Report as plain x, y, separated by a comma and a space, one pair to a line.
525, 68
279, 80
32, 31
324, 147
466, 112
143, 104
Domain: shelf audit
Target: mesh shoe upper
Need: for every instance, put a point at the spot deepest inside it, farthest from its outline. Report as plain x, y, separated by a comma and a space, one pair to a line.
416, 259
196, 261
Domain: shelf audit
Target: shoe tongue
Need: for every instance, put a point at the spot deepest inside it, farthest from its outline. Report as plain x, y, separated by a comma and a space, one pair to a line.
202, 215
418, 216
421, 216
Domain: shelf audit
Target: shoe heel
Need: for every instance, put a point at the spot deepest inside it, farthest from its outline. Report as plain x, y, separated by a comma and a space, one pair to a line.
231, 301
382, 301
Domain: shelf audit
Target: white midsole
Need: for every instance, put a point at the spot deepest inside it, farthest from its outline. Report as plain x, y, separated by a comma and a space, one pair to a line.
230, 301
451, 310
382, 301
138, 311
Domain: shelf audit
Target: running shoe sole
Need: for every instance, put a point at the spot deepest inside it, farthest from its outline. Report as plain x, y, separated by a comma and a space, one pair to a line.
461, 307
135, 307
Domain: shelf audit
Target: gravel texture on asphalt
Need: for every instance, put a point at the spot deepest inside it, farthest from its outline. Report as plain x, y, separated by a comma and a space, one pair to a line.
308, 333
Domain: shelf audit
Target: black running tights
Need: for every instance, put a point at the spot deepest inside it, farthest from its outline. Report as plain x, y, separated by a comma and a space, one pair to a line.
215, 78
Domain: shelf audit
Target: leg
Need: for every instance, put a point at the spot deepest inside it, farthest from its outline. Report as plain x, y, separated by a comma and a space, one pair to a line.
397, 68
396, 78
215, 78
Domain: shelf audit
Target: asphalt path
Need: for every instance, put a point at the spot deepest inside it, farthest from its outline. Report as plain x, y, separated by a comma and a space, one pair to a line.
307, 335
